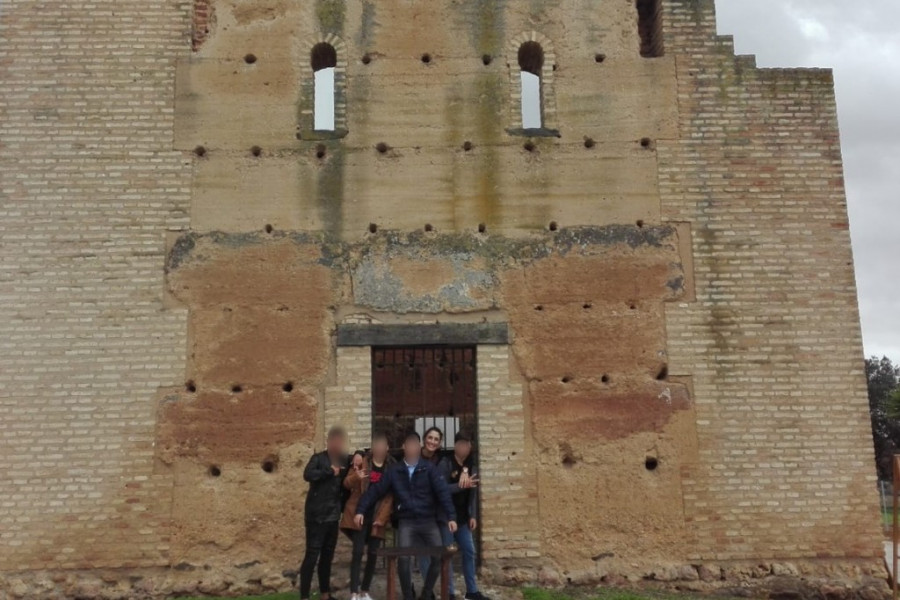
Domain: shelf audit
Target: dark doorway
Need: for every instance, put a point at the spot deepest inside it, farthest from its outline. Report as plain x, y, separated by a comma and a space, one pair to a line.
415, 387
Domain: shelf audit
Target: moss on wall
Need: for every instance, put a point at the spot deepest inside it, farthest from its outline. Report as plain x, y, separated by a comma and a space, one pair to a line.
331, 14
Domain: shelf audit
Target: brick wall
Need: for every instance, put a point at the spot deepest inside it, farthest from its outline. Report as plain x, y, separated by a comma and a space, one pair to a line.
508, 494
89, 187
773, 340
201, 22
349, 401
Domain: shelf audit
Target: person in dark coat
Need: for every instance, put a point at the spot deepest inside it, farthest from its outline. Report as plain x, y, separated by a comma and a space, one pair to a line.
458, 470
419, 491
325, 473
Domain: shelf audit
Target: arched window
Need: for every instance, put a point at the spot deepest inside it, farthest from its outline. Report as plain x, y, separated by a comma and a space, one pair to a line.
531, 62
324, 60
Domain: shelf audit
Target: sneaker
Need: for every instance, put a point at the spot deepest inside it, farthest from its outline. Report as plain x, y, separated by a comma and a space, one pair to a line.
354, 596
477, 596
365, 596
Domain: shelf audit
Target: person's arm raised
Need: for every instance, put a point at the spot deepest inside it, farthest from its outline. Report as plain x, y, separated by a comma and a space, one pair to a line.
373, 494
317, 469
473, 508
445, 468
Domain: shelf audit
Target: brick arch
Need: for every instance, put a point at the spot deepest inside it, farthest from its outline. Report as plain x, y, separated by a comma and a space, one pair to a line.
548, 89
340, 77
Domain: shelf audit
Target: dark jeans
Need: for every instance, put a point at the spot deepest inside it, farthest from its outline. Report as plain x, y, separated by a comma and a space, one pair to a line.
418, 533
321, 539
363, 542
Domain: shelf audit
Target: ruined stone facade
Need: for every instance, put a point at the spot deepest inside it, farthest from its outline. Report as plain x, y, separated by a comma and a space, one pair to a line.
677, 391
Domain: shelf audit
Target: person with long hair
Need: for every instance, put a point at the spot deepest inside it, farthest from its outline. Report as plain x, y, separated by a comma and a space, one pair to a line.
431, 445
431, 451
367, 468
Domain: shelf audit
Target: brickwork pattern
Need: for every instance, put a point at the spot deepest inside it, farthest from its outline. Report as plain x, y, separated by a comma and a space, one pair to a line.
349, 401
510, 527
773, 341
89, 187
201, 22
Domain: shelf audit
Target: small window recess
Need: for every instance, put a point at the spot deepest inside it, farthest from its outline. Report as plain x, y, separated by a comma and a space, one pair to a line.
650, 27
322, 114
531, 63
324, 60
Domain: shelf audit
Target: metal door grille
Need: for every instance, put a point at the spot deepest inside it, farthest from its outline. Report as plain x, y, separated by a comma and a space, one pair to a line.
420, 386
414, 387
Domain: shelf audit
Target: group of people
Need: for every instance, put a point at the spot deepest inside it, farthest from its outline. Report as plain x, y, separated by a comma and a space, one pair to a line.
432, 501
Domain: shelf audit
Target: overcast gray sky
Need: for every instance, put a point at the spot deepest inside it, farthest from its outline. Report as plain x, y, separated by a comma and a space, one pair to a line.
860, 41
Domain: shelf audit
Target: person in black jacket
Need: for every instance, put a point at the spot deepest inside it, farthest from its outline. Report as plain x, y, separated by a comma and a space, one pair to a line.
458, 470
419, 490
325, 473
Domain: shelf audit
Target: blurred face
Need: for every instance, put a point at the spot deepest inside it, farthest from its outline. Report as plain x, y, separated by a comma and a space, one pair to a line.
411, 450
337, 444
357, 461
462, 449
432, 442
379, 449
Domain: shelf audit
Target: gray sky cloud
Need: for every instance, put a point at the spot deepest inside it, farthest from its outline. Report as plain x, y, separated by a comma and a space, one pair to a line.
860, 42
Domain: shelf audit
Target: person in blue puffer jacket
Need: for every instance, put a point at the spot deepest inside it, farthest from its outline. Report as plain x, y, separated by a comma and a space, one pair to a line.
420, 493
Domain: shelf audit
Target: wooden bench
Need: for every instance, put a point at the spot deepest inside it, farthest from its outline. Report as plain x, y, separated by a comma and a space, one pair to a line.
435, 552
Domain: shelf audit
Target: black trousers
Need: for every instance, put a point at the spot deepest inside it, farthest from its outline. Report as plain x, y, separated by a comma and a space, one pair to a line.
363, 543
321, 539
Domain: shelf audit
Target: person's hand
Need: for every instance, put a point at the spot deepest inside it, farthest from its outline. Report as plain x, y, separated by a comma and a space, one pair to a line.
359, 520
336, 470
473, 524
471, 482
452, 526
464, 481
377, 524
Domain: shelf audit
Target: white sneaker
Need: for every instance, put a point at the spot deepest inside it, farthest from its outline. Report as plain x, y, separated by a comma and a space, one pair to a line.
354, 596
365, 596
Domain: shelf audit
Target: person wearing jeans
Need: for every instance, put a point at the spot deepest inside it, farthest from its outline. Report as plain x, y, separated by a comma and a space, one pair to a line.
459, 472
418, 491
325, 473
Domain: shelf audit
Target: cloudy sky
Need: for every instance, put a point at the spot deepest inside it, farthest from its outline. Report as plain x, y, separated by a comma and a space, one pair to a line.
860, 41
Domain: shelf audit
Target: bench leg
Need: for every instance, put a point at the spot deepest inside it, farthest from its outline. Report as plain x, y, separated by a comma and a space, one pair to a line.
445, 577
392, 578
